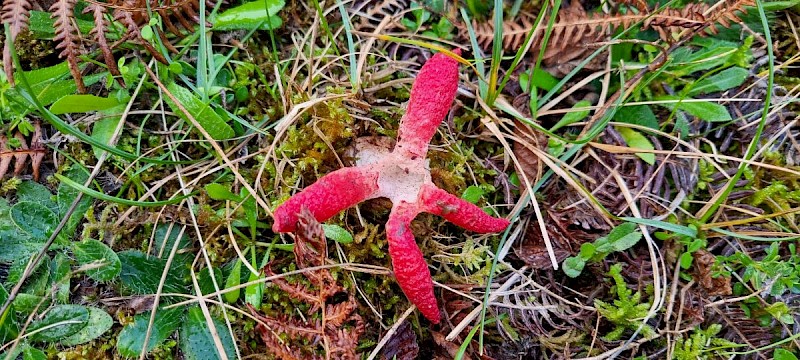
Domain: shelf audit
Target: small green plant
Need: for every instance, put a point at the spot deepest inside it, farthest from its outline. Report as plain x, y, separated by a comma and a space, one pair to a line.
620, 238
625, 312
702, 344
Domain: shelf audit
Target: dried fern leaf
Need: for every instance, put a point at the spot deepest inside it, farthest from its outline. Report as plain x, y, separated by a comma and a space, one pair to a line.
68, 37
99, 32
126, 18
15, 14
21, 154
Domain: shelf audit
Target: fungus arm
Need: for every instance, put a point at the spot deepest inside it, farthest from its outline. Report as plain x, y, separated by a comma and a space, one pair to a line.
432, 95
410, 267
459, 211
328, 196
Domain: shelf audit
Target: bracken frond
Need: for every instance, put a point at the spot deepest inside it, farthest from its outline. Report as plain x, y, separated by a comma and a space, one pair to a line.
575, 32
99, 13
68, 37
15, 14
35, 151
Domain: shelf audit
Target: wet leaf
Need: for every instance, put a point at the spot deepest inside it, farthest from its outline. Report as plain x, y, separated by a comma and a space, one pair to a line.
196, 340
205, 116
260, 15
98, 323
131, 339
60, 321
636, 140
337, 233
94, 253
79, 103
140, 274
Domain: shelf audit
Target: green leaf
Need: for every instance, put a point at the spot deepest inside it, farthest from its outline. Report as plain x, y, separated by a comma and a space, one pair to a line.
783, 354
36, 193
781, 312
140, 274
67, 194
93, 253
703, 110
724, 80
686, 260
337, 233
261, 15
197, 342
573, 266
541, 79
473, 194
234, 279
34, 219
627, 241
638, 115
636, 140
103, 131
216, 127
573, 116
99, 322
587, 251
678, 229
82, 103
131, 339
8, 327
60, 274
31, 353
221, 192
61, 321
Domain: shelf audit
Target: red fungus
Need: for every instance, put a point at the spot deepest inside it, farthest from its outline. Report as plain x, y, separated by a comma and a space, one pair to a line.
403, 176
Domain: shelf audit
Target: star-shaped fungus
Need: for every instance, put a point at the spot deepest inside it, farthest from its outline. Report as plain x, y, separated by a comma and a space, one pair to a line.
403, 176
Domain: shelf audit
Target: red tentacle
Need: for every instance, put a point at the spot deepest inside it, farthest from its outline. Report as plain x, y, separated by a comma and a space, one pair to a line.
432, 95
331, 194
410, 267
458, 211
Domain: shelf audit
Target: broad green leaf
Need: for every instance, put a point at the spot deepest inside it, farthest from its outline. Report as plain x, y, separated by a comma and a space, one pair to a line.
337, 233
573, 266
8, 327
25, 304
91, 252
686, 260
216, 127
620, 231
627, 241
131, 339
36, 193
197, 342
587, 251
260, 14
473, 194
60, 275
783, 354
204, 280
165, 238
573, 116
42, 25
234, 279
541, 79
81, 103
103, 131
34, 219
141, 274
60, 321
31, 353
67, 194
636, 140
638, 115
781, 312
99, 322
703, 110
724, 80
221, 192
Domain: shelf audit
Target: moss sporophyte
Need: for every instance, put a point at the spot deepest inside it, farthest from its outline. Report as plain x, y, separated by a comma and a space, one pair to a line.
404, 177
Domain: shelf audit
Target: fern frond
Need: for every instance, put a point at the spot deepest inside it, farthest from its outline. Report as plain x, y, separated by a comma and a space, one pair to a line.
68, 37
99, 32
126, 18
15, 14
